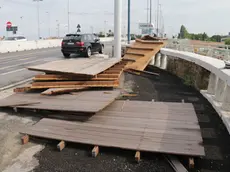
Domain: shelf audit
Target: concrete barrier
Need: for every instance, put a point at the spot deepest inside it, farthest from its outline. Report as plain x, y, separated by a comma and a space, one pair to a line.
218, 91
14, 46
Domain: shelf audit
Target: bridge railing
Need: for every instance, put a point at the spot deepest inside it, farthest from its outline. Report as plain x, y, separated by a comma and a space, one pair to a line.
218, 90
219, 53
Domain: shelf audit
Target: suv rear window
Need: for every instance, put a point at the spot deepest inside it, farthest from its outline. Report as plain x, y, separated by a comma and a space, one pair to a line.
73, 37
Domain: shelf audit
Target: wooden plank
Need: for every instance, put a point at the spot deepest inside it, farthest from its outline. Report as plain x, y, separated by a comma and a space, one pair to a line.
115, 126
74, 84
85, 101
175, 164
85, 67
56, 91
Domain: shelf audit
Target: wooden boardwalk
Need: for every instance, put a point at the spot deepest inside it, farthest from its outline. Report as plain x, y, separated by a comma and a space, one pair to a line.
141, 126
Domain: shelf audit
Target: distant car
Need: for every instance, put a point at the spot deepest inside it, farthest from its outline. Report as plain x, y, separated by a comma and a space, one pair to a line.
15, 38
84, 44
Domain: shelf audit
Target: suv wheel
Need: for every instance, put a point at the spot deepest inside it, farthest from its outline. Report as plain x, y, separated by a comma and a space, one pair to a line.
88, 52
66, 55
101, 50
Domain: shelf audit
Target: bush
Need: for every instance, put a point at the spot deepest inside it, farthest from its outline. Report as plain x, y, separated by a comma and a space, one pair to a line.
227, 42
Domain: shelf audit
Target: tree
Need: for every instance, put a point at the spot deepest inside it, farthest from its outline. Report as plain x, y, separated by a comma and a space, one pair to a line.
215, 38
183, 33
227, 41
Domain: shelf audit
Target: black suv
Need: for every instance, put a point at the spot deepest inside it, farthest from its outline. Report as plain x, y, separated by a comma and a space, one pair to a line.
85, 44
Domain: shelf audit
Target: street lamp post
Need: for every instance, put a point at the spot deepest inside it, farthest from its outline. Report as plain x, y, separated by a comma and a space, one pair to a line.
21, 22
68, 15
129, 20
117, 28
58, 28
38, 15
48, 23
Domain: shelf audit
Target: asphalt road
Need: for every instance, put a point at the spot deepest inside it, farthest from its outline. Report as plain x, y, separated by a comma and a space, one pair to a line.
13, 65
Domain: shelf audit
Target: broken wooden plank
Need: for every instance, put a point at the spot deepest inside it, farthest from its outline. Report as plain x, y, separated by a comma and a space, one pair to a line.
137, 54
137, 156
129, 95
175, 163
95, 151
61, 145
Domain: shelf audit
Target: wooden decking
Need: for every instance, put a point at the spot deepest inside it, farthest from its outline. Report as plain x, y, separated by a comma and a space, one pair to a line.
84, 101
141, 126
83, 66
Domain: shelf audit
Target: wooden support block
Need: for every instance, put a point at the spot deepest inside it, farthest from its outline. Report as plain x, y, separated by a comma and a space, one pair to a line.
95, 151
138, 156
22, 89
25, 139
129, 95
61, 145
191, 163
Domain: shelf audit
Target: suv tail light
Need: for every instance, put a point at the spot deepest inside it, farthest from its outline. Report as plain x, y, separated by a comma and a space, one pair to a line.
81, 44
63, 43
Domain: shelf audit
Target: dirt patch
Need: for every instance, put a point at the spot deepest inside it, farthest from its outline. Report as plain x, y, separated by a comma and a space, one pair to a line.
13, 155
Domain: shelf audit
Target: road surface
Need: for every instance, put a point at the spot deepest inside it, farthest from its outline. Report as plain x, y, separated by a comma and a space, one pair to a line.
13, 65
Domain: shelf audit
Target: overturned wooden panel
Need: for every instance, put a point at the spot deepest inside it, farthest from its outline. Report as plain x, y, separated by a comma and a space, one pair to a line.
85, 67
85, 101
144, 126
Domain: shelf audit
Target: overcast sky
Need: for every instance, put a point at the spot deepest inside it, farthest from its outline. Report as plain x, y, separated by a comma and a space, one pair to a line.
211, 16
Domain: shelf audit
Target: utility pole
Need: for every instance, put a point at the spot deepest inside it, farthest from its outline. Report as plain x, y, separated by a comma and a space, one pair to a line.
157, 17
68, 15
150, 17
48, 23
129, 20
21, 22
38, 17
105, 23
58, 28
147, 11
117, 28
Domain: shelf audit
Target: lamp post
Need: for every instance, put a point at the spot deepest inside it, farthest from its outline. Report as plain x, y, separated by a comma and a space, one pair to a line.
117, 27
129, 20
48, 23
68, 15
38, 17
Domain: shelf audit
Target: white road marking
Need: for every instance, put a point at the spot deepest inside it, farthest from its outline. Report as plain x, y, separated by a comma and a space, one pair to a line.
7, 67
25, 54
15, 84
18, 70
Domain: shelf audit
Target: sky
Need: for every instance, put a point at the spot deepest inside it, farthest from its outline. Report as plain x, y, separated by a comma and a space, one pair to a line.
210, 16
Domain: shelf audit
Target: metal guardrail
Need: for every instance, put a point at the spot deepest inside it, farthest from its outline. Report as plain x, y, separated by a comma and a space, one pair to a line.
219, 53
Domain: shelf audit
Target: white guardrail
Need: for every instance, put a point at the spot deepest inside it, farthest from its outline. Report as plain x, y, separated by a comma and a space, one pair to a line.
14, 46
218, 91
